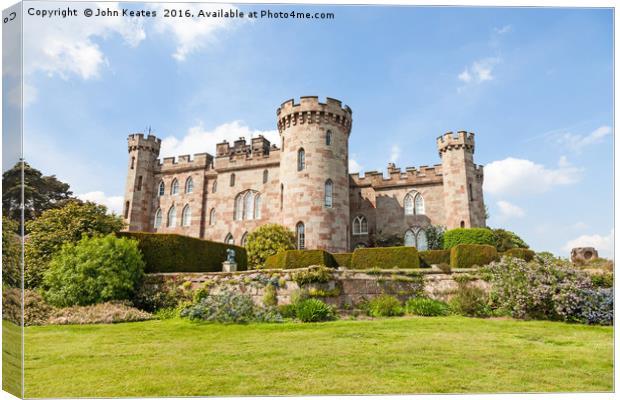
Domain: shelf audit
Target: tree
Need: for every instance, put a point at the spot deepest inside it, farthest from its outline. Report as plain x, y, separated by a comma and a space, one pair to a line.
40, 192
505, 240
267, 240
11, 251
56, 227
434, 236
93, 270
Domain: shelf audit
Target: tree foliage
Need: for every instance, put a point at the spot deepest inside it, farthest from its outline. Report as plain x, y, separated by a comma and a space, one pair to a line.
267, 240
56, 227
434, 236
505, 240
93, 270
11, 251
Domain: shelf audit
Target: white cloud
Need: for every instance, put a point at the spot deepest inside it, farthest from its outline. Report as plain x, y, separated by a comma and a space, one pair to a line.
514, 176
479, 71
503, 30
577, 142
193, 34
199, 140
394, 153
465, 76
604, 244
509, 210
113, 203
354, 166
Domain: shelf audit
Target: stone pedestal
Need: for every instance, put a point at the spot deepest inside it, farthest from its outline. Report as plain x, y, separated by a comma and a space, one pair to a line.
228, 266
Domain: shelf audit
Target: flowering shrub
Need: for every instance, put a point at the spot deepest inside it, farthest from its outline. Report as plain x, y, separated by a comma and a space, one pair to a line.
470, 301
229, 307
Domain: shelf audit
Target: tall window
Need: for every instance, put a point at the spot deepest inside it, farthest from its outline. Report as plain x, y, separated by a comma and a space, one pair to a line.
140, 182
175, 187
157, 222
300, 230
248, 205
133, 162
471, 193
265, 176
419, 204
414, 204
189, 185
360, 225
329, 193
232, 179
172, 217
126, 210
244, 239
162, 188
239, 207
416, 237
301, 159
186, 217
214, 187
212, 217
328, 138
409, 238
257, 207
229, 239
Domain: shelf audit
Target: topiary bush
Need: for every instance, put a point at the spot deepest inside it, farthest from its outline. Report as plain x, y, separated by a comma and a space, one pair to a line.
164, 252
433, 257
524, 254
267, 240
426, 307
293, 259
385, 306
404, 257
457, 236
313, 310
468, 255
343, 259
93, 270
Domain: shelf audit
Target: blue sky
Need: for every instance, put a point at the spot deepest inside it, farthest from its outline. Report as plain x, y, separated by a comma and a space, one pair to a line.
534, 84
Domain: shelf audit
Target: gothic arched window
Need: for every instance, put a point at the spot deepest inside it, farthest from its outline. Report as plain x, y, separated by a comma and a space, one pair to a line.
229, 239
301, 160
244, 239
300, 231
421, 240
257, 213
158, 218
328, 138
162, 188
409, 238
212, 217
248, 205
239, 207
189, 185
409, 204
360, 225
186, 216
214, 187
265, 176
174, 189
419, 204
172, 217
329, 193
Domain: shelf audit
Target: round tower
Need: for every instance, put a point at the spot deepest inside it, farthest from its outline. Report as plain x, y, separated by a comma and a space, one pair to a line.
143, 154
314, 172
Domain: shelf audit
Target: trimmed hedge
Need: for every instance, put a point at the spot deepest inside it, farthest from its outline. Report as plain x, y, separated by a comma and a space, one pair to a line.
467, 255
164, 252
385, 258
430, 257
524, 254
343, 259
291, 259
468, 236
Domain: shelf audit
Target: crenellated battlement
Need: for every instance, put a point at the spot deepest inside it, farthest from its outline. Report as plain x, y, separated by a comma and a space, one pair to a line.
463, 140
310, 110
199, 161
137, 141
396, 177
259, 147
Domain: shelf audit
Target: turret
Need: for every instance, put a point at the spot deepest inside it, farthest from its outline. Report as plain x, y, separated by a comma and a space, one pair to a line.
462, 181
314, 176
143, 154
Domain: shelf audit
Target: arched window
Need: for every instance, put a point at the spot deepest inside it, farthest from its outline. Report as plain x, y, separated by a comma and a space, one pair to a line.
360, 225
244, 239
162, 188
265, 176
232, 179
329, 193
239, 207
248, 205
174, 189
214, 187
172, 217
157, 222
186, 217
409, 204
229, 239
212, 217
328, 138
409, 238
189, 185
257, 207
301, 160
419, 204
421, 241
126, 210
462, 224
300, 231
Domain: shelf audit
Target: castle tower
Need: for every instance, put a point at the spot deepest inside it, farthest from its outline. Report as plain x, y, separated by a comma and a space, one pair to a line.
462, 181
314, 171
139, 188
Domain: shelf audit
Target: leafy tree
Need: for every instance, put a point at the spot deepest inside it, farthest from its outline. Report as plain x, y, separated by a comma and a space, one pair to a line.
56, 227
94, 270
434, 236
40, 192
505, 240
11, 251
267, 240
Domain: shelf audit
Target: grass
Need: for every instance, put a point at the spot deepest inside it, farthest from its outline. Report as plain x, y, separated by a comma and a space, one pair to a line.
11, 358
399, 355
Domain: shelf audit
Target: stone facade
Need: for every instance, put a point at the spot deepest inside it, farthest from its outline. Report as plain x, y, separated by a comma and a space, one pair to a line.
305, 185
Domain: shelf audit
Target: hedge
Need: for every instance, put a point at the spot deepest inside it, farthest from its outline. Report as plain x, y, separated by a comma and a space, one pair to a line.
291, 259
343, 259
524, 254
164, 252
467, 255
430, 257
468, 236
385, 258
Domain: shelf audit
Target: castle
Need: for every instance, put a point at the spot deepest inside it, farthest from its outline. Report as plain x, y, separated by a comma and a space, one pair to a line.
305, 185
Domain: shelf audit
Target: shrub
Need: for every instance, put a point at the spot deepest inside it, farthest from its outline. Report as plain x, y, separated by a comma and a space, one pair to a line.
270, 296
165, 252
275, 261
602, 280
434, 257
598, 306
426, 307
292, 259
36, 310
229, 307
468, 255
94, 270
151, 297
457, 236
385, 306
56, 227
435, 236
268, 240
288, 310
316, 274
12, 305
524, 254
506, 240
313, 310
470, 301
11, 252
385, 258
343, 259
105, 313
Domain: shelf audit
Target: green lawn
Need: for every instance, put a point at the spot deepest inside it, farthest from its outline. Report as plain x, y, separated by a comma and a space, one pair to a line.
400, 355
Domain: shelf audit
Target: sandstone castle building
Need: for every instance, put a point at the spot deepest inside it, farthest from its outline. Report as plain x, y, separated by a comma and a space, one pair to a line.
305, 185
